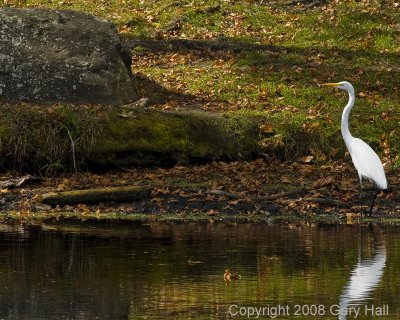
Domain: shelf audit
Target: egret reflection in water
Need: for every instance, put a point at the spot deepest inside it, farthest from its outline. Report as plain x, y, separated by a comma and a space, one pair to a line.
364, 278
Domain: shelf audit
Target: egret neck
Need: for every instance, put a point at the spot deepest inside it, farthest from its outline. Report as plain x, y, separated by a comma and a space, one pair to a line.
345, 120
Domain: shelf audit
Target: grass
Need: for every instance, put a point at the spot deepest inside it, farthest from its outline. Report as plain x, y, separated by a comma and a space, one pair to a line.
358, 41
61, 134
289, 218
43, 217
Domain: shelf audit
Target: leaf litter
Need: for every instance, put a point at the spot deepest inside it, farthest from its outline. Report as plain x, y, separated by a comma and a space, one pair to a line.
259, 188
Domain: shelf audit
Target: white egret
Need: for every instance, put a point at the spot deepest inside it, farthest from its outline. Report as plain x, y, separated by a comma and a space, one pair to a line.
365, 160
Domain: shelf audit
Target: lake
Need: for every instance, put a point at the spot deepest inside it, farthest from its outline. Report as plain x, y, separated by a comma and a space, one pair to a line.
164, 270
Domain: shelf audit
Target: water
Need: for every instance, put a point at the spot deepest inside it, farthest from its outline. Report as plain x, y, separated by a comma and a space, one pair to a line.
175, 271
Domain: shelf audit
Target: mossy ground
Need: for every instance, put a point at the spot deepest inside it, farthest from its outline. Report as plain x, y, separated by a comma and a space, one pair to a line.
69, 139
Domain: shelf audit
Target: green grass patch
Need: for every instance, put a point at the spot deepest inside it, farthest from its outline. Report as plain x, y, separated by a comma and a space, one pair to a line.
186, 184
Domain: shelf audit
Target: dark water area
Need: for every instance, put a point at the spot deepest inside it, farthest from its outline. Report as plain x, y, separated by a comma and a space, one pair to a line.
176, 271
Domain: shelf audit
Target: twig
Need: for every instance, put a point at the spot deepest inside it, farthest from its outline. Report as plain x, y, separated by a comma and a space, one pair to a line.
19, 182
174, 25
73, 151
327, 201
264, 198
224, 193
266, 156
307, 3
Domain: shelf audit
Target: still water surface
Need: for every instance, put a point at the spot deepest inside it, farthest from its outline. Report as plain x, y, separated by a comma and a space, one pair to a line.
175, 271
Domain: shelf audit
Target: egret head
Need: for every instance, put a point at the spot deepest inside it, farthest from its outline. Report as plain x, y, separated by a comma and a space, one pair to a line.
344, 85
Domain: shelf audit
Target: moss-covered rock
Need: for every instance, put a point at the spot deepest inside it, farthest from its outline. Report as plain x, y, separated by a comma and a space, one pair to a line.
157, 137
66, 137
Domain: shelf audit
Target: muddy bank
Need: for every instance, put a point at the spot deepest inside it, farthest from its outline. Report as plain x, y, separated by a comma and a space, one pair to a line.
258, 190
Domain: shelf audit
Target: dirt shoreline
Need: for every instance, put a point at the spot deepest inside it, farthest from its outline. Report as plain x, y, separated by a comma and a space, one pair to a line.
260, 190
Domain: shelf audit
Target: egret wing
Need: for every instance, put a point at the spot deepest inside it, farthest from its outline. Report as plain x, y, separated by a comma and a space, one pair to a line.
367, 163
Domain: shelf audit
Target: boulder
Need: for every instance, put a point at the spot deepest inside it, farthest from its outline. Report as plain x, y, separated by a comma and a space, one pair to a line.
49, 56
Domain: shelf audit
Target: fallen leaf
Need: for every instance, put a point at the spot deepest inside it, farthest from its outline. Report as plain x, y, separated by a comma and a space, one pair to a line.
306, 159
351, 215
267, 128
324, 181
126, 114
286, 179
333, 152
363, 94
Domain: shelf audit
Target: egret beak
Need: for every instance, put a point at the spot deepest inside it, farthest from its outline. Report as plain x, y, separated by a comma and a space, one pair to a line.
330, 84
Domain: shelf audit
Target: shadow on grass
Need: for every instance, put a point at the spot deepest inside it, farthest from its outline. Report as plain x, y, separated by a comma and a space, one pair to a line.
370, 70
159, 94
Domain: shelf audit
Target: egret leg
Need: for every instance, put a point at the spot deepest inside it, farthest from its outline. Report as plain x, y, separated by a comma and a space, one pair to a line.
361, 187
361, 197
372, 204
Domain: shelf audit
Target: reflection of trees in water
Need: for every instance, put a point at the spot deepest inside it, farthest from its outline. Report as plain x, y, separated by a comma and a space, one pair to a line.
48, 276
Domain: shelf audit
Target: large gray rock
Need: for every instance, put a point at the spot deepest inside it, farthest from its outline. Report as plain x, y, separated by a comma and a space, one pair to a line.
51, 56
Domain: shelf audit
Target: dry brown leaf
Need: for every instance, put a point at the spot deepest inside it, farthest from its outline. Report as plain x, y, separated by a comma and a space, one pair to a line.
267, 128
286, 179
333, 152
324, 181
306, 159
351, 215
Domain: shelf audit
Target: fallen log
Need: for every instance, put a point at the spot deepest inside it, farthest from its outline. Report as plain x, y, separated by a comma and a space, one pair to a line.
262, 198
92, 196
